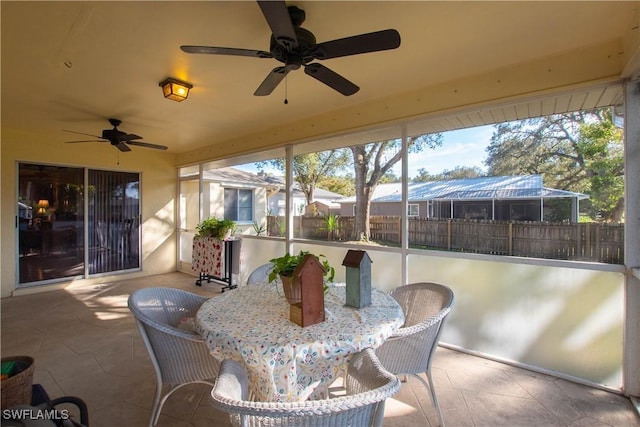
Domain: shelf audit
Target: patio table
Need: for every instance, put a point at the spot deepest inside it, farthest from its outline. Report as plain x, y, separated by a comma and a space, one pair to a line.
284, 361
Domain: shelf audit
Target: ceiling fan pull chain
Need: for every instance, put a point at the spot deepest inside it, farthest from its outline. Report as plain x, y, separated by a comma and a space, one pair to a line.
286, 87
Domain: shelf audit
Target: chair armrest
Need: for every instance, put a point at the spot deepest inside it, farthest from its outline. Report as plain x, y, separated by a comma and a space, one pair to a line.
79, 403
232, 382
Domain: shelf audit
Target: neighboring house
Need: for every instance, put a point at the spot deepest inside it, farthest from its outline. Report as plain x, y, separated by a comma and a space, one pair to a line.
234, 194
324, 201
247, 198
521, 198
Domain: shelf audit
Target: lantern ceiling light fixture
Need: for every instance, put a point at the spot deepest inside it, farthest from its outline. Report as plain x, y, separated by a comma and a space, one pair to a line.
175, 89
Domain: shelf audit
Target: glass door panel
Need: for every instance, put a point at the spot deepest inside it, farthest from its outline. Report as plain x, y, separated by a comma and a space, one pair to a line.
50, 220
114, 221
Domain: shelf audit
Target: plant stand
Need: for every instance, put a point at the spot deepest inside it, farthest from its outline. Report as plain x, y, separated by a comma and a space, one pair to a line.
216, 260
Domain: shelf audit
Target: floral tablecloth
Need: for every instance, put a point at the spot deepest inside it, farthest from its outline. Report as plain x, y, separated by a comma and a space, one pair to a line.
286, 362
208, 256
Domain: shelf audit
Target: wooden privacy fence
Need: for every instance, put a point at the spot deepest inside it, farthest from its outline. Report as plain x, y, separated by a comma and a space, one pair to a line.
580, 242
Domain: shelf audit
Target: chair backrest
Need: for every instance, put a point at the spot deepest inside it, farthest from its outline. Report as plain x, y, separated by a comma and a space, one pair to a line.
421, 301
368, 385
426, 307
260, 274
178, 355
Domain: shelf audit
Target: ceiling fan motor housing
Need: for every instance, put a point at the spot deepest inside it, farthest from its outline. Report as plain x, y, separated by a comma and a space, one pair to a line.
303, 53
112, 135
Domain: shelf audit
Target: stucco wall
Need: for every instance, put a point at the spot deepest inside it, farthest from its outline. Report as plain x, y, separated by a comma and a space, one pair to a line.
158, 191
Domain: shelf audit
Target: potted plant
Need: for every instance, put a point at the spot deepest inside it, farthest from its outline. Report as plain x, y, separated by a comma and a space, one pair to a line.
285, 266
213, 227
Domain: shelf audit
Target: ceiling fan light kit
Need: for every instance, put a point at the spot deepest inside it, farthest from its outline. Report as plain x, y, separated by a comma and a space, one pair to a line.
175, 89
296, 47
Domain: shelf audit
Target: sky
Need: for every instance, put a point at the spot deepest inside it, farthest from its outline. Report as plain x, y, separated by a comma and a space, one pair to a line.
465, 147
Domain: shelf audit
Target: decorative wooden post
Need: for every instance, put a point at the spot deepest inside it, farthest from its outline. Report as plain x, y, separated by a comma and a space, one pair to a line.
358, 293
310, 274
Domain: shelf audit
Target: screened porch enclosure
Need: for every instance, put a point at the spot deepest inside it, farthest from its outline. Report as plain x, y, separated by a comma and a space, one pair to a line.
562, 316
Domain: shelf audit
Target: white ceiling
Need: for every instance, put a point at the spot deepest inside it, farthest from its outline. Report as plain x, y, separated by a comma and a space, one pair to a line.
72, 65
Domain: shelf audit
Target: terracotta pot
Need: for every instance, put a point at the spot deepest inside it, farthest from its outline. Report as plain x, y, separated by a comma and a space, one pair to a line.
292, 289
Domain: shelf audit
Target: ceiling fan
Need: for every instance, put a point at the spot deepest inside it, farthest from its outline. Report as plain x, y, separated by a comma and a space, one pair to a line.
296, 47
117, 138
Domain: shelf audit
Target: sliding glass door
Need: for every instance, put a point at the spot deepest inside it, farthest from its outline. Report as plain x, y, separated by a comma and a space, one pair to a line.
56, 207
114, 221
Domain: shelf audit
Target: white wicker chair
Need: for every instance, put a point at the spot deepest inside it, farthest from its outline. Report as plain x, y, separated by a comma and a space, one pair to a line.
260, 274
179, 356
367, 383
410, 351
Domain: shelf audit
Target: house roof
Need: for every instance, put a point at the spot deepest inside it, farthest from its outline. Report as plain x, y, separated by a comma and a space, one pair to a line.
235, 176
321, 194
491, 187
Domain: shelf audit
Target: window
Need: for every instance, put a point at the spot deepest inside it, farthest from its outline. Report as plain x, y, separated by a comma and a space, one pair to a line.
413, 209
238, 204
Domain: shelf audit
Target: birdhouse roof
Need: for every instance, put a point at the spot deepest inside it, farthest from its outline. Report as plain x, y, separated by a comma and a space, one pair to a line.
309, 261
354, 258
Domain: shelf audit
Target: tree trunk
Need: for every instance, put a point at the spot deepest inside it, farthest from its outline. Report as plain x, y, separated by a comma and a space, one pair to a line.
363, 195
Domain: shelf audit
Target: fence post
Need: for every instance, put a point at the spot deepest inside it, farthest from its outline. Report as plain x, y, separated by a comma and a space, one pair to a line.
448, 234
578, 254
587, 243
510, 238
598, 255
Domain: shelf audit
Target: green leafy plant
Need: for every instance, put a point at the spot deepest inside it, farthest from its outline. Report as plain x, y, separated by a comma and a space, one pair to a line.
213, 227
286, 265
259, 228
331, 225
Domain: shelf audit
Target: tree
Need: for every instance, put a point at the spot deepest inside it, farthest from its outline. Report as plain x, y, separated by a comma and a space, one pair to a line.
602, 145
338, 184
310, 169
459, 172
579, 151
371, 163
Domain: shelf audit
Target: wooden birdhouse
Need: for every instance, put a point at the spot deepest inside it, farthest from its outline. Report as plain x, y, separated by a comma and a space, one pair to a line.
310, 275
358, 264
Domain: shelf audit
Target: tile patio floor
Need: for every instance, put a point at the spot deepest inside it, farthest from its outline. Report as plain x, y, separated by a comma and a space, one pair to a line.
85, 343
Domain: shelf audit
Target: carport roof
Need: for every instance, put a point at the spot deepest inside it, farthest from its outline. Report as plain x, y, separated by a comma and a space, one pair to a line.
483, 188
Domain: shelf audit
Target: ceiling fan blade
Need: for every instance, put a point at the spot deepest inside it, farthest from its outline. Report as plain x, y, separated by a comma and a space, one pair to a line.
271, 81
212, 50
121, 146
331, 79
147, 145
129, 137
363, 43
86, 140
80, 133
277, 15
